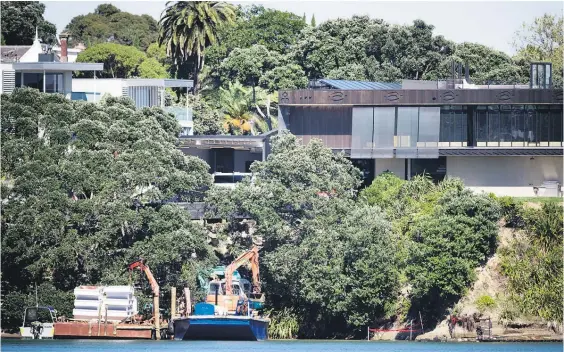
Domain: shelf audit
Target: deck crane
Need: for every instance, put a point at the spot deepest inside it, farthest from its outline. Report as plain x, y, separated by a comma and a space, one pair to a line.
154, 287
252, 257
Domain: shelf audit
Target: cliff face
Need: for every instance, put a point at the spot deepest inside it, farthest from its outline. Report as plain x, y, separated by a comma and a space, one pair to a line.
488, 300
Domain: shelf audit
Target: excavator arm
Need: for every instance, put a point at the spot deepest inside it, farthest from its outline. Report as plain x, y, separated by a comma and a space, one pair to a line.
250, 256
145, 268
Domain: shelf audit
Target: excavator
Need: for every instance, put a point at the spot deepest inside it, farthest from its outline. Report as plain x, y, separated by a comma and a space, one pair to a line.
154, 287
226, 293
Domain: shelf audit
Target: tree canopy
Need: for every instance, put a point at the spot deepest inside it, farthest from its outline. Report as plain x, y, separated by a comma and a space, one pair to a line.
121, 61
542, 40
109, 24
19, 21
84, 192
188, 28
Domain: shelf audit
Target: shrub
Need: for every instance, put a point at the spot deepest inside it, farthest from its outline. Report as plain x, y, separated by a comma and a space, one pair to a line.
485, 303
511, 211
283, 324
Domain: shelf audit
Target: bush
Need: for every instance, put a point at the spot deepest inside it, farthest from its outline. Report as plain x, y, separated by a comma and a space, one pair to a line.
511, 211
533, 264
384, 190
283, 324
485, 303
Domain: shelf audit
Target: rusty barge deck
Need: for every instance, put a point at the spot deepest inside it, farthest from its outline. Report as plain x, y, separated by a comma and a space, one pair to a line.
109, 330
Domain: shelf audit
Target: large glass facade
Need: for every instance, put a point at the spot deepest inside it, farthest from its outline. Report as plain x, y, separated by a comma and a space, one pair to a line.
52, 82
454, 126
518, 126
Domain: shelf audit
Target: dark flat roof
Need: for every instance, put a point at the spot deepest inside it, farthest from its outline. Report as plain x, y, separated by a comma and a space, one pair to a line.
359, 85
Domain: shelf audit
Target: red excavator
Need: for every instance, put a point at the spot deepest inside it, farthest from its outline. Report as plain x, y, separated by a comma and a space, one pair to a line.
154, 287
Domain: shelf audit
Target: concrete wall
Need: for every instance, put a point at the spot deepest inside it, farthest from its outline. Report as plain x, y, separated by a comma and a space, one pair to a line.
204, 154
397, 166
241, 156
111, 86
512, 175
67, 84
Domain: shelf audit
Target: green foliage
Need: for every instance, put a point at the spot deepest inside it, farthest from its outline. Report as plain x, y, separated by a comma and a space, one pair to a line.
108, 24
283, 324
207, 120
542, 40
152, 68
120, 61
485, 303
250, 64
83, 193
15, 302
188, 28
511, 211
383, 190
274, 29
241, 108
332, 263
19, 21
533, 264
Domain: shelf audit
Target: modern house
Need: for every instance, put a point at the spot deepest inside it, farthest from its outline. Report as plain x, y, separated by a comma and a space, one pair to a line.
230, 157
145, 92
501, 139
51, 70
37, 67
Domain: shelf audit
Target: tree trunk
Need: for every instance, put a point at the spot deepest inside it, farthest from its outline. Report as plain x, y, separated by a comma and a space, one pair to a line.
254, 95
195, 90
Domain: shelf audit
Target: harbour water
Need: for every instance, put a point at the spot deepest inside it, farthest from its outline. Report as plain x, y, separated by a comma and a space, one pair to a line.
9, 345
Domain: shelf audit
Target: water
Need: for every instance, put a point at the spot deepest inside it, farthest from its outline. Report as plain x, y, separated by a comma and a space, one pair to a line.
269, 346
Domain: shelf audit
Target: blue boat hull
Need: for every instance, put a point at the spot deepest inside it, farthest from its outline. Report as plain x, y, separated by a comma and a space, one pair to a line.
221, 328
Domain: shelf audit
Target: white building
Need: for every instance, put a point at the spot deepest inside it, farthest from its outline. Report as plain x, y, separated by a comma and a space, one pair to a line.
145, 92
33, 66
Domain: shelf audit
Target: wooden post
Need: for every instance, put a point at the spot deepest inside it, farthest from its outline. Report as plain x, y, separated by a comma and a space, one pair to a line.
188, 301
172, 303
368, 333
410, 330
420, 318
157, 317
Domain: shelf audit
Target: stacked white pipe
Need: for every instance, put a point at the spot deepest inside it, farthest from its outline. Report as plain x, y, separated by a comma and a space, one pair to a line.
119, 302
87, 302
111, 303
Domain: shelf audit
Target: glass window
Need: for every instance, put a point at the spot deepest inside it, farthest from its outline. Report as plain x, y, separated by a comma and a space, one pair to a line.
543, 123
548, 68
505, 123
541, 73
556, 124
481, 124
33, 80
534, 76
53, 82
407, 127
18, 79
383, 131
362, 132
493, 124
446, 124
530, 124
436, 168
518, 123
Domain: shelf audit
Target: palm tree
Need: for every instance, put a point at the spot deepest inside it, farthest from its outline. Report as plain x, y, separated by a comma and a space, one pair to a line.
241, 117
187, 28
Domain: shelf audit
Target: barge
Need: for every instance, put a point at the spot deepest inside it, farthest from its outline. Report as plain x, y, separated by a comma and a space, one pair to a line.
215, 327
103, 330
